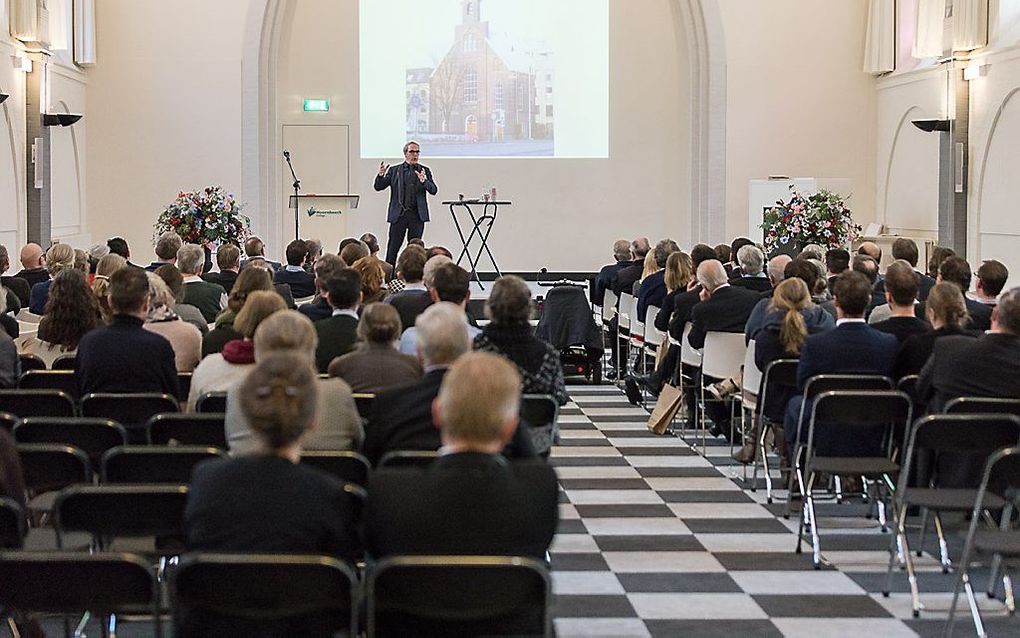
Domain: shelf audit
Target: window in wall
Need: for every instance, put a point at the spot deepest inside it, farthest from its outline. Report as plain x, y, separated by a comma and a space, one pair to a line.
471, 85
548, 110
499, 95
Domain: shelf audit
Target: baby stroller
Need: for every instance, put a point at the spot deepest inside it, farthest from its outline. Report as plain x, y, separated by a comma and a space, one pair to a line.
567, 324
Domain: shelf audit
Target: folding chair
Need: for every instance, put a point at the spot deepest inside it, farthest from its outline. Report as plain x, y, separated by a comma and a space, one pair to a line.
64, 362
25, 403
408, 458
942, 434
459, 595
48, 467
176, 428
781, 373
132, 410
908, 384
154, 463
691, 358
653, 337
31, 362
982, 405
637, 335
345, 465
184, 383
1000, 485
540, 412
92, 436
62, 380
722, 357
365, 403
231, 594
12, 524
609, 303
624, 320
74, 583
109, 512
856, 413
212, 402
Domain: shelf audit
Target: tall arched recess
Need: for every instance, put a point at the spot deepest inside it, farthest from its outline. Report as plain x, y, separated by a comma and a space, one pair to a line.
699, 20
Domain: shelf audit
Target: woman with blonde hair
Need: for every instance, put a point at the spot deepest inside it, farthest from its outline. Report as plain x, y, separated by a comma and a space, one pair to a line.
59, 257
679, 273
377, 365
649, 267
220, 370
108, 265
372, 279
338, 424
946, 311
185, 338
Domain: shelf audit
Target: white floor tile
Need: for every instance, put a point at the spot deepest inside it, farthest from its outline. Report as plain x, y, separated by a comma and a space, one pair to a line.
635, 526
720, 510
748, 542
597, 473
610, 627
560, 451
568, 512
586, 583
663, 442
645, 562
613, 497
574, 544
689, 484
796, 582
696, 606
841, 627
668, 461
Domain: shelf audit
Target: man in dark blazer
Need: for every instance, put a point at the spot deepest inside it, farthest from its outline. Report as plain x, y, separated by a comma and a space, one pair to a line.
752, 270
255, 248
302, 284
409, 183
318, 308
339, 332
628, 275
955, 269
414, 298
402, 418
852, 347
988, 366
228, 259
906, 250
124, 356
622, 255
901, 291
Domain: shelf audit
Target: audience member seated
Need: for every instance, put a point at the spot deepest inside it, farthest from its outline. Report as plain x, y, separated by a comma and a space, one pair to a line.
631, 273
228, 260
318, 307
184, 338
938, 255
779, 270
946, 312
10, 306
905, 249
852, 347
338, 333
432, 251
649, 268
14, 285
991, 279
255, 249
269, 502
124, 356
314, 252
10, 365
81, 262
447, 282
622, 256
789, 319
956, 270
281, 289
901, 291
58, 258
119, 246
220, 370
837, 261
302, 284
733, 266
988, 366
338, 424
470, 500
372, 242
71, 312
871, 249
722, 253
96, 252
753, 276
653, 287
375, 364
414, 298
353, 251
166, 249
867, 266
372, 279
175, 282
33, 267
209, 298
108, 265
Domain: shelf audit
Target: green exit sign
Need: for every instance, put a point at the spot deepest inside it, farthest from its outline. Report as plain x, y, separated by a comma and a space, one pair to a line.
318, 106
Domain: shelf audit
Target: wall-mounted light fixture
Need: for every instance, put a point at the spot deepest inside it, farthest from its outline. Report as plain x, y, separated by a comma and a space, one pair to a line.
929, 126
60, 119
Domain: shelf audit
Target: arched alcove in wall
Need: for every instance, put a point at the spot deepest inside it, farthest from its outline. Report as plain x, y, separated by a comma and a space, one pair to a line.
665, 174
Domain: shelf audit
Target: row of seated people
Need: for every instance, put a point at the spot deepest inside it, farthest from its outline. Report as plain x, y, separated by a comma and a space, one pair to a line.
471, 500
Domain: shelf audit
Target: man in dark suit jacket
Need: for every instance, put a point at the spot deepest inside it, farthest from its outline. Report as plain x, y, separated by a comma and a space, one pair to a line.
302, 284
408, 211
853, 347
318, 307
900, 292
402, 418
955, 269
414, 298
124, 356
906, 250
471, 500
752, 273
228, 259
33, 262
988, 366
628, 275
339, 332
255, 248
603, 281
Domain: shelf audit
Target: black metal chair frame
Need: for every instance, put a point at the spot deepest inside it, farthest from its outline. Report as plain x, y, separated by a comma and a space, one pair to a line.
13, 525
63, 433
158, 458
761, 458
64, 362
170, 401
365, 402
46, 396
345, 465
64, 381
407, 458
187, 428
31, 362
982, 405
105, 531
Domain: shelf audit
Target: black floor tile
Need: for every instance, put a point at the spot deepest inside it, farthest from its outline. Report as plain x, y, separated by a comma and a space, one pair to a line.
573, 562
593, 607
801, 606
649, 543
705, 496
679, 472
571, 526
767, 561
679, 450
624, 511
589, 461
674, 583
736, 526
712, 628
604, 484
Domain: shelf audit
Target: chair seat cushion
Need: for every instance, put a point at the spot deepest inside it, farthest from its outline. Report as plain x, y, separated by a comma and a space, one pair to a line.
956, 499
998, 542
871, 467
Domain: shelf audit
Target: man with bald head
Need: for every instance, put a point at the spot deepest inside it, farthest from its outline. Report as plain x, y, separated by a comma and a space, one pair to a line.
776, 271
622, 257
33, 265
870, 249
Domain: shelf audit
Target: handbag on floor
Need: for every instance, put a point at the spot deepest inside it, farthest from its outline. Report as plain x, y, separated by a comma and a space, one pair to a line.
671, 399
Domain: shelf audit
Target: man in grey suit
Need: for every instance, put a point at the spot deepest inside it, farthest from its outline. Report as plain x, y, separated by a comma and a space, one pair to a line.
409, 183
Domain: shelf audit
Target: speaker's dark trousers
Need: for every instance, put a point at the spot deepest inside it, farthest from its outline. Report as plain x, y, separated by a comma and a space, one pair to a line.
408, 223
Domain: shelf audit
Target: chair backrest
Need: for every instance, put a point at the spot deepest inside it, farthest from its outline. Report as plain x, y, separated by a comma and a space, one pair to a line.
408, 458
723, 355
25, 403
248, 587
109, 511
63, 380
345, 465
461, 595
8, 421
50, 466
982, 405
975, 434
12, 524
688, 355
751, 376
908, 384
827, 382
64, 362
609, 303
31, 362
132, 410
71, 582
782, 373
653, 336
1001, 477
212, 402
154, 463
539, 410
364, 402
625, 314
860, 410
92, 436
177, 428
184, 383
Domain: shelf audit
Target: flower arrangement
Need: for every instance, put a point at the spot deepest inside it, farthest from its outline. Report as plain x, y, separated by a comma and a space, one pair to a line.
822, 218
210, 215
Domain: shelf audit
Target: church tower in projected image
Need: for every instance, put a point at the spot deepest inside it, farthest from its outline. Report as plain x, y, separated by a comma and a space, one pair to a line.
491, 94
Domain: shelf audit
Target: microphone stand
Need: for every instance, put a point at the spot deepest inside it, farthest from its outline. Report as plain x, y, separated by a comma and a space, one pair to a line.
297, 191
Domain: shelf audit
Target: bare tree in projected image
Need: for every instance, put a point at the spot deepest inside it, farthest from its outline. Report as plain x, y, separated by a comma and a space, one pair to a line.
447, 91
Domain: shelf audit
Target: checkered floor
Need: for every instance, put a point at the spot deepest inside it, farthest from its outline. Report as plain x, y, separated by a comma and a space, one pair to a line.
656, 539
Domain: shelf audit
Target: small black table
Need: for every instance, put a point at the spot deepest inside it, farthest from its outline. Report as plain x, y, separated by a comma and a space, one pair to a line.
488, 217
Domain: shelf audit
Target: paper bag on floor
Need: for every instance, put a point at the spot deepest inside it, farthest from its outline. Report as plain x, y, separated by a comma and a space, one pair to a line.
669, 403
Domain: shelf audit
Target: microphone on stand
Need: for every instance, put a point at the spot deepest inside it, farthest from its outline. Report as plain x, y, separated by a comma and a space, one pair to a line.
286, 155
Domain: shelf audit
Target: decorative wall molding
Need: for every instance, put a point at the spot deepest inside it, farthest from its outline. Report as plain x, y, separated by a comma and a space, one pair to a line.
979, 183
904, 121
